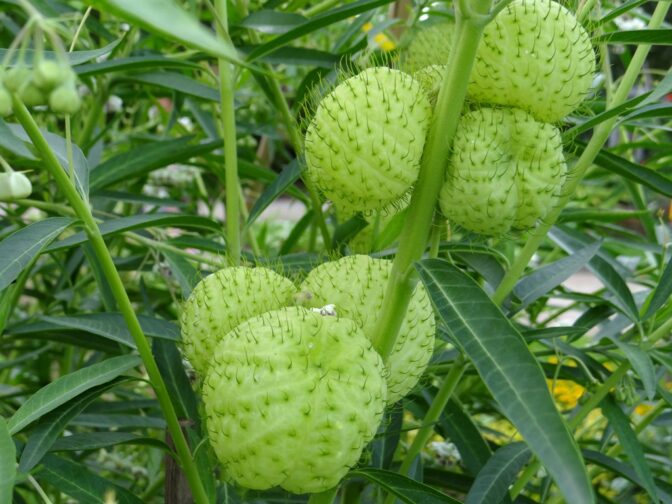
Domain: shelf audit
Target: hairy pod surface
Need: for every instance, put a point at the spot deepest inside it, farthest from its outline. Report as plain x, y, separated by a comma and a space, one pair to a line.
535, 56
292, 398
356, 285
430, 46
225, 299
14, 185
364, 144
505, 172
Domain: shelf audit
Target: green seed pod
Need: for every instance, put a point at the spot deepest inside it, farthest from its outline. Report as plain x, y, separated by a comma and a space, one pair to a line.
65, 99
14, 186
5, 102
355, 285
31, 95
291, 399
15, 78
431, 78
506, 171
430, 46
535, 56
225, 299
364, 145
49, 74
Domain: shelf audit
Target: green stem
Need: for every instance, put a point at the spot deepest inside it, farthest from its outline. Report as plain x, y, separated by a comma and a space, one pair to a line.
116, 285
431, 418
574, 177
227, 92
320, 8
414, 236
326, 497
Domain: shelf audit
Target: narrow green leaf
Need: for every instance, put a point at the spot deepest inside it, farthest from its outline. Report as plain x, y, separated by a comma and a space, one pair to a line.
182, 271
658, 182
572, 242
7, 463
66, 387
141, 160
52, 425
493, 481
621, 9
12, 143
98, 440
133, 63
133, 222
272, 22
641, 363
107, 421
316, 23
624, 470
177, 82
405, 489
108, 325
509, 370
170, 364
541, 281
75, 480
19, 249
289, 175
631, 445
74, 57
169, 20
661, 294
656, 37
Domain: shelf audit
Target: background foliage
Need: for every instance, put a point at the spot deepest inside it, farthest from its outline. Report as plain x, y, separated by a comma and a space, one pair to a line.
80, 419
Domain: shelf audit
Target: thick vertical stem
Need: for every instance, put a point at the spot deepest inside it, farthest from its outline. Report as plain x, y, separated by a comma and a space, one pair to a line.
83, 211
414, 236
228, 118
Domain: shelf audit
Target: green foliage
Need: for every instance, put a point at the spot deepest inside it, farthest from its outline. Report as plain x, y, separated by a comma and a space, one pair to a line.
166, 138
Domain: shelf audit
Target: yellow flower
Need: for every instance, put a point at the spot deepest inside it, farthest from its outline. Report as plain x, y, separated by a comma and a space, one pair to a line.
643, 409
381, 40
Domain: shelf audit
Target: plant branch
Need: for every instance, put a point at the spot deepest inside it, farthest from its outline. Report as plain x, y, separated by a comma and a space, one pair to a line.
414, 235
116, 285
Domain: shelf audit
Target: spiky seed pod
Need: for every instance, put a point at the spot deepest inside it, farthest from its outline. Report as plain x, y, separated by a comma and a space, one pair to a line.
364, 145
292, 398
506, 171
355, 285
535, 56
14, 186
430, 46
225, 299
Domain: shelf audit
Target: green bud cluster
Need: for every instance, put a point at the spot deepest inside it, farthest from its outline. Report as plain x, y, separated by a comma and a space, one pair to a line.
46, 83
14, 186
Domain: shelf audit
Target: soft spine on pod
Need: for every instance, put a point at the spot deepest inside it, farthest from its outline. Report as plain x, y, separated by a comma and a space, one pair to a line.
225, 299
292, 398
506, 171
364, 144
355, 285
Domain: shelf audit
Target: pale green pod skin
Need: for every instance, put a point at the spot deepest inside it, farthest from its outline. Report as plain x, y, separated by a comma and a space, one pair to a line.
431, 78
291, 400
430, 46
506, 171
356, 285
535, 56
65, 99
14, 186
225, 299
364, 145
31, 95
5, 102
49, 74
